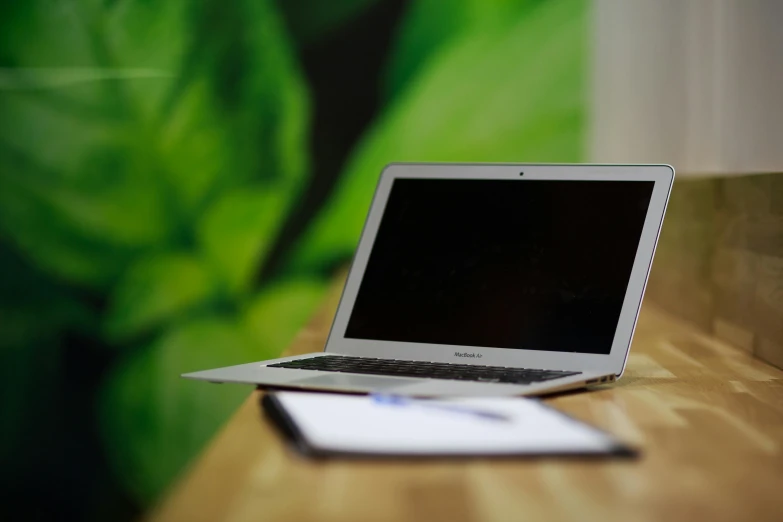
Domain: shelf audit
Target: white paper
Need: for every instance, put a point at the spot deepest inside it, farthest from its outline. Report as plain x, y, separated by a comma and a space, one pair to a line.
360, 424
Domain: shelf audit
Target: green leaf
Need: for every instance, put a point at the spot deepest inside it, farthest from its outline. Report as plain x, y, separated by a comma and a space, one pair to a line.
155, 290
281, 310
122, 121
496, 96
236, 233
72, 139
154, 422
36, 228
429, 26
310, 20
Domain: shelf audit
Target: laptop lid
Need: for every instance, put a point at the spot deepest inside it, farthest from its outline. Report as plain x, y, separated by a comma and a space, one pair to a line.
536, 266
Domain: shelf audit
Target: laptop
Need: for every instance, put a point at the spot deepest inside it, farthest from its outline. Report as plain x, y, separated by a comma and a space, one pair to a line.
487, 279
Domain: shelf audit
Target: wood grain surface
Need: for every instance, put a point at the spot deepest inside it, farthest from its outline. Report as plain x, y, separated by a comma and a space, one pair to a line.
708, 417
719, 261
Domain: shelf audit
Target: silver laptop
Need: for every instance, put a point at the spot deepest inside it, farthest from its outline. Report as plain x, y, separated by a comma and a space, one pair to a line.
487, 279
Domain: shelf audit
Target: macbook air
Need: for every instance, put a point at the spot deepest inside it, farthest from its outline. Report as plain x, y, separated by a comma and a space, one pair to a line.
487, 279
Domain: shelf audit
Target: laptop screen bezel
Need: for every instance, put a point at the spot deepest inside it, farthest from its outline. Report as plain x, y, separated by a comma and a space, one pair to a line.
614, 362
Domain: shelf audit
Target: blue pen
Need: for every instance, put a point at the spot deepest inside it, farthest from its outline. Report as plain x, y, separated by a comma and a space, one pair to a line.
396, 400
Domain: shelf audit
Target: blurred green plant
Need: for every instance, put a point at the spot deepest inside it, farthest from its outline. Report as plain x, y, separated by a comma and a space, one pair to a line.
150, 153
505, 87
311, 20
34, 312
432, 25
154, 164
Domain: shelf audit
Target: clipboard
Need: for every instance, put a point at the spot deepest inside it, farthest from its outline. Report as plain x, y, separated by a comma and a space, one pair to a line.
324, 426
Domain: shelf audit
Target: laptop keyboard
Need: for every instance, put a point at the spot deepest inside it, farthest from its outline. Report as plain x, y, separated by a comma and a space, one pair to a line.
427, 370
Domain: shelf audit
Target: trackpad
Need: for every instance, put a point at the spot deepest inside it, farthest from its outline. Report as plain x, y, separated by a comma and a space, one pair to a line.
361, 382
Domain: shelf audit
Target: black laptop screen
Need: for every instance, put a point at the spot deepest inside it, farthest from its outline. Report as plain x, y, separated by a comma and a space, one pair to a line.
528, 264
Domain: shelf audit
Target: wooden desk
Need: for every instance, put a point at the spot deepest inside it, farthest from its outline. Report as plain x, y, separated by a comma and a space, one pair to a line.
709, 418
